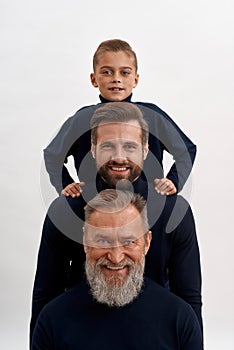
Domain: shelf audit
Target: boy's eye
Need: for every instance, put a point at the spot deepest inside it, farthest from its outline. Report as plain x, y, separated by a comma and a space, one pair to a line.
107, 72
126, 73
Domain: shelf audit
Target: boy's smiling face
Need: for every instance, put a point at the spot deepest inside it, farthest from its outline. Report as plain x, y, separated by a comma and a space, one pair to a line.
115, 75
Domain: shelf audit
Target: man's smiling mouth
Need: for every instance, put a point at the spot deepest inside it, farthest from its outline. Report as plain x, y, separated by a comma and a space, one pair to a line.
115, 267
119, 169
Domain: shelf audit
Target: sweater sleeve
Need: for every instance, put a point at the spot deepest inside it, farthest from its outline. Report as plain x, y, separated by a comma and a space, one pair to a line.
42, 336
169, 138
65, 144
181, 148
190, 332
184, 266
56, 153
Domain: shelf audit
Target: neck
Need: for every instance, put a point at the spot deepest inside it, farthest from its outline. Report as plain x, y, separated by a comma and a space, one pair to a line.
127, 99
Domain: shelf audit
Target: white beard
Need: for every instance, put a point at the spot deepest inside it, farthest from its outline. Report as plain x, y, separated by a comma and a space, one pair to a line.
115, 291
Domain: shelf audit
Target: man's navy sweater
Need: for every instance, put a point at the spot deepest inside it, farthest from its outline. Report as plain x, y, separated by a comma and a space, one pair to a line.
155, 320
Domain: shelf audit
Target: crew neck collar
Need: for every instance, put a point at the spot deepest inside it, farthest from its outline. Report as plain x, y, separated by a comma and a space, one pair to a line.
103, 100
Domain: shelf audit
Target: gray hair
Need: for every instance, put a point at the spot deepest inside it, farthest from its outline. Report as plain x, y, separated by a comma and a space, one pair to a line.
111, 200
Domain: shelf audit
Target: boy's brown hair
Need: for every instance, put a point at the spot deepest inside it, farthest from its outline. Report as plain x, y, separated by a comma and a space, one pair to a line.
113, 45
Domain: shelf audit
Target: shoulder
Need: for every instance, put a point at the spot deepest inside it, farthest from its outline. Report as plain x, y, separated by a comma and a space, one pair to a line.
85, 109
153, 113
63, 206
174, 314
82, 115
180, 215
67, 302
165, 301
156, 110
174, 209
66, 214
150, 105
65, 217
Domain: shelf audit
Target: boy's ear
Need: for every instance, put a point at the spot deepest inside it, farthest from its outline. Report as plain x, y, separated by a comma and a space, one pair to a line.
136, 80
93, 80
93, 150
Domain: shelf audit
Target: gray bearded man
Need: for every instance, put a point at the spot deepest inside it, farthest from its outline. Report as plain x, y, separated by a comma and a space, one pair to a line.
112, 289
117, 306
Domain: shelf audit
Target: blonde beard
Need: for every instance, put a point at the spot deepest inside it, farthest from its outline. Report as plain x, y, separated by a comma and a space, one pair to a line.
115, 291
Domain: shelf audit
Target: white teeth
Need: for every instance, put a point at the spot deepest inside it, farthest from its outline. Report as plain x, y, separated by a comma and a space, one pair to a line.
115, 267
119, 169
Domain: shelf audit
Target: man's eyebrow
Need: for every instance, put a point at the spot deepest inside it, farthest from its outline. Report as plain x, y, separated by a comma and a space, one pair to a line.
105, 143
131, 143
99, 236
124, 143
129, 237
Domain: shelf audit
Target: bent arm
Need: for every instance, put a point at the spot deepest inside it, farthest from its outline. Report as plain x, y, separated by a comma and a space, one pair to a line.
184, 267
180, 147
72, 139
165, 135
56, 153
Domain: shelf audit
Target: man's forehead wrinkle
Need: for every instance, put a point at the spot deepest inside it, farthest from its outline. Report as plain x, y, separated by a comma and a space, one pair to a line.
114, 237
125, 226
119, 211
121, 126
133, 229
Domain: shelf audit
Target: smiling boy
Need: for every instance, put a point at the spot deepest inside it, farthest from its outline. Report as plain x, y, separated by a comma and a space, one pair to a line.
115, 74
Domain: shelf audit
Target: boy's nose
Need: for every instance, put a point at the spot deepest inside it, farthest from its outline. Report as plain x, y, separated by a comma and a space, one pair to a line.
116, 78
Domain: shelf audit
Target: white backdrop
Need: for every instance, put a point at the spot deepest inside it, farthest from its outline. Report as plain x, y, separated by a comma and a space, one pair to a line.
186, 54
